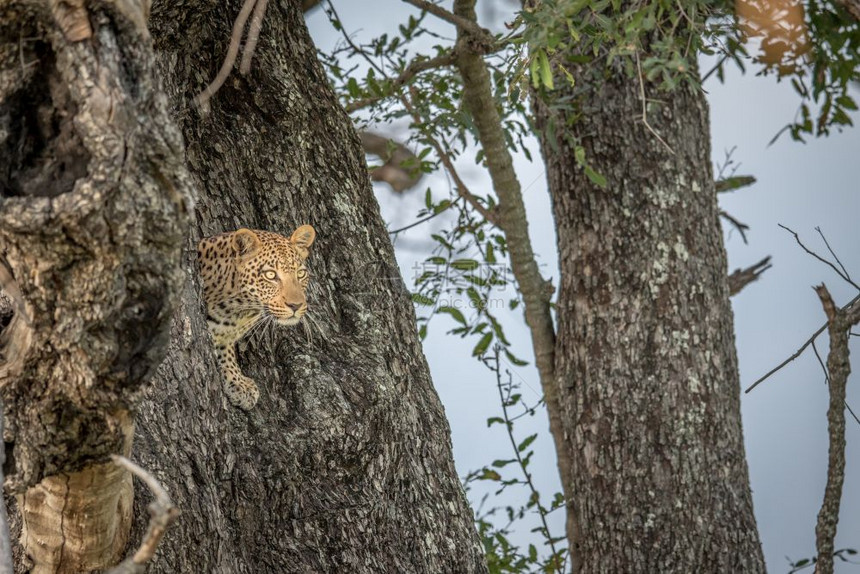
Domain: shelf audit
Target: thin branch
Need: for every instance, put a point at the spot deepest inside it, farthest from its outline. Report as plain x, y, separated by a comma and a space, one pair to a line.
833, 253
821, 362
844, 276
350, 43
461, 188
839, 367
853, 306
253, 36
509, 427
715, 68
463, 23
645, 107
412, 70
425, 219
162, 514
230, 59
740, 278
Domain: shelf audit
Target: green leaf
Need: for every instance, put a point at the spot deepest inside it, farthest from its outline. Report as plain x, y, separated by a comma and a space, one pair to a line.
482, 345
596, 178
515, 360
503, 463
488, 474
464, 264
455, 313
495, 420
526, 442
545, 69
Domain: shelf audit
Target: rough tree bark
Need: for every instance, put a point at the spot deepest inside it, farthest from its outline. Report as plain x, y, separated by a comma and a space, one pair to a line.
345, 464
645, 357
94, 201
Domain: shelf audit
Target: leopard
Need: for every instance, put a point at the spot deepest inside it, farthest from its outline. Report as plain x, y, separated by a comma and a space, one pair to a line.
251, 277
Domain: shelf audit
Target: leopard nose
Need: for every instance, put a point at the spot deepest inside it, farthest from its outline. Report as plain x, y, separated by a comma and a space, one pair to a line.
294, 306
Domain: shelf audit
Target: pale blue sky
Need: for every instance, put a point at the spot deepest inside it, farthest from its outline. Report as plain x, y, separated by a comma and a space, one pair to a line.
801, 186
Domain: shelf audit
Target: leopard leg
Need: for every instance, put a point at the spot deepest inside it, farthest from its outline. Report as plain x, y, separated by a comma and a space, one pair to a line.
242, 391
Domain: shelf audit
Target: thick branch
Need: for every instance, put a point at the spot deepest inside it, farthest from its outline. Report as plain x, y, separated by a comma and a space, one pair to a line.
394, 172
839, 367
465, 23
479, 101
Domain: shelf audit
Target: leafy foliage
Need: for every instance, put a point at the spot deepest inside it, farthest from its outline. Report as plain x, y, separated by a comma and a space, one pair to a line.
387, 80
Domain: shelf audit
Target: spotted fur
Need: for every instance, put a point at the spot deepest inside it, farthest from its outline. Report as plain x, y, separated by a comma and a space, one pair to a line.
250, 277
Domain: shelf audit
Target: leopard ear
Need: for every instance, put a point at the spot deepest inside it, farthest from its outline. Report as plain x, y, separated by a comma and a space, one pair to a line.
245, 242
302, 238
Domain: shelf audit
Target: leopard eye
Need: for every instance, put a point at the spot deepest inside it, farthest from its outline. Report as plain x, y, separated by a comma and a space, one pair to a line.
301, 273
270, 274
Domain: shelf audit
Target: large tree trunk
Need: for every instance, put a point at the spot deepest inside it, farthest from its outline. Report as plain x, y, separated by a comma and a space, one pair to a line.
94, 201
345, 463
645, 357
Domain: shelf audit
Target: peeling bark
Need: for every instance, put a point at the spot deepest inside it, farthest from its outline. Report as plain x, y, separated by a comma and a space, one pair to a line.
645, 360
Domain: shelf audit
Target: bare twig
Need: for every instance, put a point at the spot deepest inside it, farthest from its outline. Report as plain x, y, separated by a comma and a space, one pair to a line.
833, 253
839, 321
333, 14
741, 227
645, 107
464, 23
827, 380
853, 307
230, 59
740, 278
162, 514
844, 276
253, 36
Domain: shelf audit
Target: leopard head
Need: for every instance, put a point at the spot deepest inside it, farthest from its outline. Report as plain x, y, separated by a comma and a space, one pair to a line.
271, 270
